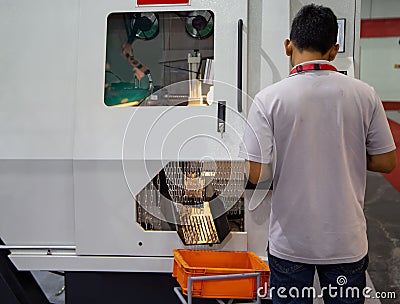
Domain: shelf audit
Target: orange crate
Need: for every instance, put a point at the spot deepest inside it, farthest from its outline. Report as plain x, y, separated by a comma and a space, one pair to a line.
192, 263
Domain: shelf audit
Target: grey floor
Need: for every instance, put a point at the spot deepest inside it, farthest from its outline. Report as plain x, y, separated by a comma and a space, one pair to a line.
52, 284
382, 209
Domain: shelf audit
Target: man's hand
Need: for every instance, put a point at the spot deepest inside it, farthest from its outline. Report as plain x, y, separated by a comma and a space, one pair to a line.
257, 172
384, 163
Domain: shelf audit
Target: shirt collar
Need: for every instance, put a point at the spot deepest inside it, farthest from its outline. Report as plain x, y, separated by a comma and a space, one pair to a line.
313, 62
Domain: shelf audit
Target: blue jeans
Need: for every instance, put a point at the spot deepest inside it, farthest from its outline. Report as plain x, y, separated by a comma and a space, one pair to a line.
292, 283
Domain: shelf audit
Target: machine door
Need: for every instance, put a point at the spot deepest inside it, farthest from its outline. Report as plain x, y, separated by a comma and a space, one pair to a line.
156, 84
146, 71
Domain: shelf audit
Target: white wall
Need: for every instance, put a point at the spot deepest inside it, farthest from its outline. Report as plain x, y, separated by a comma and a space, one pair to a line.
380, 9
379, 55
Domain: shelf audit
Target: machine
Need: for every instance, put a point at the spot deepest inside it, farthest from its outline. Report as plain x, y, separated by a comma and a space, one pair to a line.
120, 130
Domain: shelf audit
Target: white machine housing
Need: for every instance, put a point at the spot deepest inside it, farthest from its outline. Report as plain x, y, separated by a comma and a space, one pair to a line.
68, 170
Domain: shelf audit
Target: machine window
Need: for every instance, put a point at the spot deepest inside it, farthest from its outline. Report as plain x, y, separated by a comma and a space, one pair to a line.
148, 53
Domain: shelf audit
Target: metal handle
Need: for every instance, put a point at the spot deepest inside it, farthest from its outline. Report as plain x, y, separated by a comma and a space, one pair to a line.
240, 65
221, 116
37, 247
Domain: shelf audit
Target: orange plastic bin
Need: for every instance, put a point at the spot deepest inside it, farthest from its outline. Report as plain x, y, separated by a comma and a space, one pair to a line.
194, 263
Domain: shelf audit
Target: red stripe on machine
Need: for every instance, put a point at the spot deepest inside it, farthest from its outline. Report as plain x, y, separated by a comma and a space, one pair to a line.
374, 28
162, 2
391, 105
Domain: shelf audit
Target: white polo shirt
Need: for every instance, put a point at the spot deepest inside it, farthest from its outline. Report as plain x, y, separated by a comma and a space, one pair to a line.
321, 125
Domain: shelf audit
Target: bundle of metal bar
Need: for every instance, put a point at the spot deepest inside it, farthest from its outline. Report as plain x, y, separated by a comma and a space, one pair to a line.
202, 192
197, 225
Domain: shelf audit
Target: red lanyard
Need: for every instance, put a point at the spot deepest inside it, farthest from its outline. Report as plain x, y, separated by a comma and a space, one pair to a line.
312, 67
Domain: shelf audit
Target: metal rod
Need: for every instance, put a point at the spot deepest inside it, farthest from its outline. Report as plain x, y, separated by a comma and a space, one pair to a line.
225, 276
230, 301
177, 291
258, 288
190, 290
240, 65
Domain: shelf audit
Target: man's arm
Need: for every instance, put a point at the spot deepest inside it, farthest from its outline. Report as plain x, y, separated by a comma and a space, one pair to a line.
384, 163
257, 172
381, 149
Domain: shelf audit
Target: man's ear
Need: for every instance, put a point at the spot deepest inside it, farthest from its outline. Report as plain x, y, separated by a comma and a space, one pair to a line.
333, 52
288, 47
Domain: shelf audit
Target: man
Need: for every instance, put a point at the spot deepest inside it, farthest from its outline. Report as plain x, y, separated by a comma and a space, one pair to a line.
325, 129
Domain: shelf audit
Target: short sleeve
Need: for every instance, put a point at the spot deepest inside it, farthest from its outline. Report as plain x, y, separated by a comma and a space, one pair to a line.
257, 142
379, 136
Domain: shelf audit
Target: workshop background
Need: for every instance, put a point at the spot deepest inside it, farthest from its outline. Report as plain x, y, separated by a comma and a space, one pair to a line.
380, 67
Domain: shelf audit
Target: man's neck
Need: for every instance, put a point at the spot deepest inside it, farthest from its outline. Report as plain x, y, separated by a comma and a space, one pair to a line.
305, 56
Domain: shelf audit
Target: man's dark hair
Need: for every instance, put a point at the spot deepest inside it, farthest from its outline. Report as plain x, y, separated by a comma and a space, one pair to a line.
314, 28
